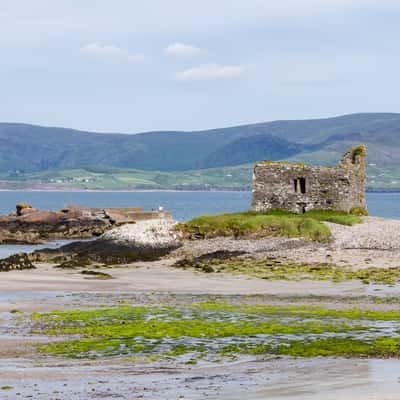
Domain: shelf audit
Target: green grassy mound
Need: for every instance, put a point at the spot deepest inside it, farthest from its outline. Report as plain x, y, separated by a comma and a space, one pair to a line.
250, 224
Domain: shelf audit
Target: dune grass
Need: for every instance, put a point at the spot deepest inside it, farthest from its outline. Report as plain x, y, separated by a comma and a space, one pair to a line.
250, 224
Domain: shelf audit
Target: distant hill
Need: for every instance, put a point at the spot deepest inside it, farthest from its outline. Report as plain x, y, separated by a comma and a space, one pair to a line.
252, 148
35, 148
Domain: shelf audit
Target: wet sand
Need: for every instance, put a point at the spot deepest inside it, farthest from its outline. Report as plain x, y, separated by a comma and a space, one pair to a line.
328, 379
161, 277
47, 378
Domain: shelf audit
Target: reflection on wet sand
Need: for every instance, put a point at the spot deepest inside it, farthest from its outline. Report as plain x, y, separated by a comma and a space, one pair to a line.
334, 379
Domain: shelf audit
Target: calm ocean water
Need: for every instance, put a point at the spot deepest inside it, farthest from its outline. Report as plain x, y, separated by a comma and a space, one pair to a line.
183, 205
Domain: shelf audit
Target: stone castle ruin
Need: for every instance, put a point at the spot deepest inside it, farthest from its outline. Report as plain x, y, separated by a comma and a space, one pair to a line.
299, 188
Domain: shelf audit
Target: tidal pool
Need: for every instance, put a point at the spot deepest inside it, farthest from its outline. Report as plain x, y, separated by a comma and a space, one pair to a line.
169, 346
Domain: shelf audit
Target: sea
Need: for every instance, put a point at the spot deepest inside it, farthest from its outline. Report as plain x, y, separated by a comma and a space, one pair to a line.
183, 205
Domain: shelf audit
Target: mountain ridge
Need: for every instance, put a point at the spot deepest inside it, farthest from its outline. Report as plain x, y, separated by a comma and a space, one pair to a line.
32, 148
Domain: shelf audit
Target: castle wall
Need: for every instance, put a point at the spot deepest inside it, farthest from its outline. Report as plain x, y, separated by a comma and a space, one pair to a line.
280, 185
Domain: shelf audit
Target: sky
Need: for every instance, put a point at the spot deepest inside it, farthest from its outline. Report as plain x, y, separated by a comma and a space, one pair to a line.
132, 66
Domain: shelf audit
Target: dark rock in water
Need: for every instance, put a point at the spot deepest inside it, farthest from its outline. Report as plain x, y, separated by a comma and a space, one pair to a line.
16, 262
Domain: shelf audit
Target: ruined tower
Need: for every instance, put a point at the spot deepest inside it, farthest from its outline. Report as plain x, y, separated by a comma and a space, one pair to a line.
299, 188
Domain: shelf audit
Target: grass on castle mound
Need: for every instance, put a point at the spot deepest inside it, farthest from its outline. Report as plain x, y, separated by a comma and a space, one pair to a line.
251, 224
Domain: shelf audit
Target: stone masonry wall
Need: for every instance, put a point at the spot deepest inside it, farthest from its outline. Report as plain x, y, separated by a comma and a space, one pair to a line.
298, 188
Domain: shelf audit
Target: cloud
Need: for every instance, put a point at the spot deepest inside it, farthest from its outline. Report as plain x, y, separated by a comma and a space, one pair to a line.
113, 53
182, 50
211, 72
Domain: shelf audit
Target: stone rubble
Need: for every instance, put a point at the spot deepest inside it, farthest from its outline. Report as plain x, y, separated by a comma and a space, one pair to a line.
156, 233
373, 234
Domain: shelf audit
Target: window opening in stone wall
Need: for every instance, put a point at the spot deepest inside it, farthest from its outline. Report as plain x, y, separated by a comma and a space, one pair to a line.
302, 182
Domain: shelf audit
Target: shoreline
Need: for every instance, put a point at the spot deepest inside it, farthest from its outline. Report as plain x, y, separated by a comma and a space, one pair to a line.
127, 191
27, 371
224, 190
161, 277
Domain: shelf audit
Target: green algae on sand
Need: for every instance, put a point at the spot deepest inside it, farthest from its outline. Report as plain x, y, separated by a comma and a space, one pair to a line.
283, 269
380, 347
213, 329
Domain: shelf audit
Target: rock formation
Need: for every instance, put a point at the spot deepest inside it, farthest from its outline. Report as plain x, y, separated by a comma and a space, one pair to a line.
16, 262
29, 225
142, 241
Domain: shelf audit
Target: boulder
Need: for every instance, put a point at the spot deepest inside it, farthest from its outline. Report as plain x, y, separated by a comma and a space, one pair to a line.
22, 208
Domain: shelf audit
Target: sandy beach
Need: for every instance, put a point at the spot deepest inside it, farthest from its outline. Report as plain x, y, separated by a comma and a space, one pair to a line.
29, 374
43, 377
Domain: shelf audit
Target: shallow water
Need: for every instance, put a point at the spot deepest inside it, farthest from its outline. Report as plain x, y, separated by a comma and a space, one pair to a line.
10, 249
246, 378
183, 205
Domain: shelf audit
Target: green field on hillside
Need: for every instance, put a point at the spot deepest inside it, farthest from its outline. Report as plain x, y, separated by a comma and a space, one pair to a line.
230, 178
123, 178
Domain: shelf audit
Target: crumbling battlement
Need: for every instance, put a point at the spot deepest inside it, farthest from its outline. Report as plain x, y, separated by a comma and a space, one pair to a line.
298, 188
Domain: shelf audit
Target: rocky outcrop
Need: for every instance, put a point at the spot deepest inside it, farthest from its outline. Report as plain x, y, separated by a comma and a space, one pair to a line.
16, 262
154, 234
29, 225
40, 226
142, 241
